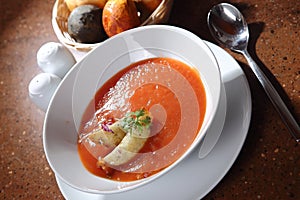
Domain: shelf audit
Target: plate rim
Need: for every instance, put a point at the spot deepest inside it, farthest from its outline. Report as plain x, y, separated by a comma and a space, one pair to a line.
213, 47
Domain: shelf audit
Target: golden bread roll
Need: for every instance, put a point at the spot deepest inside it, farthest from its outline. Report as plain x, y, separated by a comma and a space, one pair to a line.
75, 3
119, 15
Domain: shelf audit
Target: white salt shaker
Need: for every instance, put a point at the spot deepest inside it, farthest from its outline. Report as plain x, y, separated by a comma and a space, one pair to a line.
41, 89
54, 58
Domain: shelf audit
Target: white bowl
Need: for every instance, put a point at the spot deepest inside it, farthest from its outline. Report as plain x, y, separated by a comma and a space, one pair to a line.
80, 84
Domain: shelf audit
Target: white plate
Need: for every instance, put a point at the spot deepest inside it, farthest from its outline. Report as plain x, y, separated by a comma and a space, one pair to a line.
194, 178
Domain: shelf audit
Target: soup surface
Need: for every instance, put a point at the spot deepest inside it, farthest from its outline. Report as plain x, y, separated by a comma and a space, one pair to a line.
164, 98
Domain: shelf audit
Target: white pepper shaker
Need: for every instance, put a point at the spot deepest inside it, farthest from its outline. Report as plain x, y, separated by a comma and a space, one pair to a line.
41, 89
54, 58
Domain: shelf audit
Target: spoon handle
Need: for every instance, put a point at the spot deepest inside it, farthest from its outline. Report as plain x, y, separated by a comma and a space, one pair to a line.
276, 100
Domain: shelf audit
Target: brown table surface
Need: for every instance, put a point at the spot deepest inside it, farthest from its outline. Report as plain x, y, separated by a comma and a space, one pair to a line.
268, 166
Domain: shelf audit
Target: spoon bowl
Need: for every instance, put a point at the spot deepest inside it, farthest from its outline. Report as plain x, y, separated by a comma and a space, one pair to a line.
228, 27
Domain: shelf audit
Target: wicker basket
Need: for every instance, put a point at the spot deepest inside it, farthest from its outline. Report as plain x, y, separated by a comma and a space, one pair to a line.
61, 13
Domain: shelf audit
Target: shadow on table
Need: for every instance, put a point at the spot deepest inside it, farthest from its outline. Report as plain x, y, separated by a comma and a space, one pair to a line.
11, 11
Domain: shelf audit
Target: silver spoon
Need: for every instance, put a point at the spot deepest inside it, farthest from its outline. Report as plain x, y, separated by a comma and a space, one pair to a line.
228, 26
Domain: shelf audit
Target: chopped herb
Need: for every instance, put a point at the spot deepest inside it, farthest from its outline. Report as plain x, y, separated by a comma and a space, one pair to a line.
136, 120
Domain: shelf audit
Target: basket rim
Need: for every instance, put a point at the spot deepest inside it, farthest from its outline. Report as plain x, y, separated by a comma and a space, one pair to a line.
85, 46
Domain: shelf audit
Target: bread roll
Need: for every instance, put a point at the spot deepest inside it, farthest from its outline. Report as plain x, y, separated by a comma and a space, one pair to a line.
118, 16
75, 3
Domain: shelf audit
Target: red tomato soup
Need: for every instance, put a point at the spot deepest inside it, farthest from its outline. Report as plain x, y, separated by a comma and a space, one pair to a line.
171, 91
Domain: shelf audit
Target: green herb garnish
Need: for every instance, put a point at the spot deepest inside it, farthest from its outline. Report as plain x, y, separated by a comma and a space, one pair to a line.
137, 120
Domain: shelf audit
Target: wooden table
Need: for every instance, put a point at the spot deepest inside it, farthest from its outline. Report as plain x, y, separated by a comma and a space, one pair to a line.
268, 166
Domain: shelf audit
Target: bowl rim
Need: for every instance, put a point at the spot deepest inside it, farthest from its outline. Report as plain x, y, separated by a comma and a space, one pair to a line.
188, 151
